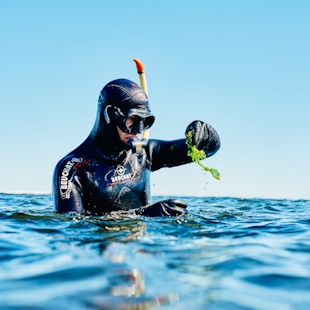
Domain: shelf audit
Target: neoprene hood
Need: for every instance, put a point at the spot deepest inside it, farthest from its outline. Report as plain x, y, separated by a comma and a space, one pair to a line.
119, 100
123, 98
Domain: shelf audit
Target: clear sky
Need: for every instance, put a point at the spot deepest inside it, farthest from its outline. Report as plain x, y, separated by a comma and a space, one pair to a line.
242, 66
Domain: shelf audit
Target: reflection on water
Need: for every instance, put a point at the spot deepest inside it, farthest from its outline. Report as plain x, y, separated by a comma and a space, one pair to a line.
134, 288
227, 253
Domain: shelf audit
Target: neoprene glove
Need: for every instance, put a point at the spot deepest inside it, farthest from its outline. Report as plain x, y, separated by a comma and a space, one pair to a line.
169, 207
204, 137
200, 134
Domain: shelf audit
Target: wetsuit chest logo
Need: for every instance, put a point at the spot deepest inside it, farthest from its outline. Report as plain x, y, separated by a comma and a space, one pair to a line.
119, 174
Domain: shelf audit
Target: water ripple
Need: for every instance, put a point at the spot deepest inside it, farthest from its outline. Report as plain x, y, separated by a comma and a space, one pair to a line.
226, 253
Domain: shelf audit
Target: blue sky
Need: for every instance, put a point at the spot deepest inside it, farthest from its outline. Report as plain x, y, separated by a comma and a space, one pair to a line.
241, 66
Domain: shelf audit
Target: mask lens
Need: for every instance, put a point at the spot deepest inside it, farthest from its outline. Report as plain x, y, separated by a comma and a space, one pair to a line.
148, 121
134, 121
136, 124
130, 120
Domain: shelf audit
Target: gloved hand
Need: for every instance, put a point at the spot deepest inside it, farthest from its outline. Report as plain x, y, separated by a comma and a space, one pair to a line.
200, 136
169, 207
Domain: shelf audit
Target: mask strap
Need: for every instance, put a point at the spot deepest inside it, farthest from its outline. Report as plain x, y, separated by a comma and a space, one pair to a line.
116, 109
106, 115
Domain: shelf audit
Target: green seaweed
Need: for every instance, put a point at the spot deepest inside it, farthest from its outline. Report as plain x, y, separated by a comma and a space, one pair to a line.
198, 155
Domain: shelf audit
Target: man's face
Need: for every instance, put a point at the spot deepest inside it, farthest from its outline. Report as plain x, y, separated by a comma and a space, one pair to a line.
124, 137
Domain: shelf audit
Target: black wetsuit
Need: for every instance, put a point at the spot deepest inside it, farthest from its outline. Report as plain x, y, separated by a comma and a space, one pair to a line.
87, 182
104, 174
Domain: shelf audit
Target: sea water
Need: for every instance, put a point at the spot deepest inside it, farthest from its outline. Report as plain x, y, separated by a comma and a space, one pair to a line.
226, 253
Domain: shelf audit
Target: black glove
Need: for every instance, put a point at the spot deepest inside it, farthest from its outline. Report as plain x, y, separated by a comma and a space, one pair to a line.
169, 207
200, 136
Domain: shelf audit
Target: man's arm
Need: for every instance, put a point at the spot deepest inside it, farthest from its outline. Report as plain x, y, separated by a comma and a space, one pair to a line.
67, 188
174, 153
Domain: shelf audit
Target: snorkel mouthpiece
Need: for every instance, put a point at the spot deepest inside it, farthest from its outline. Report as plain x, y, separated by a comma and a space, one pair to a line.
137, 145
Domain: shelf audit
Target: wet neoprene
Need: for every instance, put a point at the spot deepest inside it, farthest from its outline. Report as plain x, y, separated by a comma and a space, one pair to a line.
103, 174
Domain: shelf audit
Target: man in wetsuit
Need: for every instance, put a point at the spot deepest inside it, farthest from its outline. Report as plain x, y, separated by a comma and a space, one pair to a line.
107, 173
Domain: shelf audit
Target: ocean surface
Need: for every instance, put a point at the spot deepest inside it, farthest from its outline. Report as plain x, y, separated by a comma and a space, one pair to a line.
226, 253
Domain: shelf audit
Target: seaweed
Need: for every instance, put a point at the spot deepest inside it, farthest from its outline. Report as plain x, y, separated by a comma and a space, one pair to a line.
198, 155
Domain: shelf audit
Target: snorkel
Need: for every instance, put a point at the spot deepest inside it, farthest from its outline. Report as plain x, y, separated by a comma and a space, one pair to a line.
137, 145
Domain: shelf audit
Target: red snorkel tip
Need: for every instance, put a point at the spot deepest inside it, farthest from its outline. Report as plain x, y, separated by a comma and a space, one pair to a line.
139, 65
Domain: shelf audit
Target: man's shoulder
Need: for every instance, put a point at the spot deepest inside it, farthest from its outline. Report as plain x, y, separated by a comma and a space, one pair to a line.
70, 164
74, 158
152, 143
70, 161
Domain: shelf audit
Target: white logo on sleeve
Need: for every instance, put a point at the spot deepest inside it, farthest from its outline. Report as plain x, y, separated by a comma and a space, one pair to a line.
65, 185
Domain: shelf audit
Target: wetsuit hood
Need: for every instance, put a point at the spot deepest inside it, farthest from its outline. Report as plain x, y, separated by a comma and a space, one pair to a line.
117, 101
124, 94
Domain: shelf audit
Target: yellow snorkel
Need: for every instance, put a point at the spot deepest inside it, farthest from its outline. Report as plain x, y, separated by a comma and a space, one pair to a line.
143, 84
140, 69
136, 144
